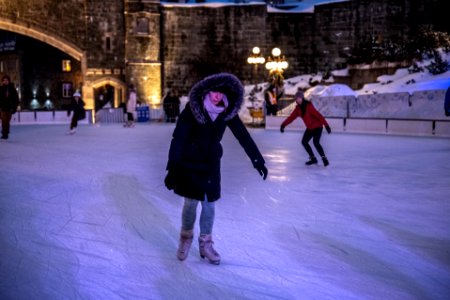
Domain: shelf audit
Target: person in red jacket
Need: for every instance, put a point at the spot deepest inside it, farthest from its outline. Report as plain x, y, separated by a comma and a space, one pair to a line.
314, 122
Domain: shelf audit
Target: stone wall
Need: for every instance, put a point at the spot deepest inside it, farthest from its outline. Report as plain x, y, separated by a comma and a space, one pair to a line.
201, 40
294, 35
143, 50
91, 32
63, 18
103, 25
187, 42
86, 24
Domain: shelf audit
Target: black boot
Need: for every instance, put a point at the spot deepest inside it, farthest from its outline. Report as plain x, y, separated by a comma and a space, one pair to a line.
325, 161
312, 160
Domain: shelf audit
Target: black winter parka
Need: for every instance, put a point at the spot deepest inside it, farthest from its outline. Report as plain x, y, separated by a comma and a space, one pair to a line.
77, 107
9, 99
195, 150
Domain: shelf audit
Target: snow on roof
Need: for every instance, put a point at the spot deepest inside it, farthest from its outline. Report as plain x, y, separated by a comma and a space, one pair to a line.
305, 6
401, 81
409, 83
331, 90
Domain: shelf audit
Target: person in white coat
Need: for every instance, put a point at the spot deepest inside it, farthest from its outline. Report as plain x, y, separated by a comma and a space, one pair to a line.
131, 106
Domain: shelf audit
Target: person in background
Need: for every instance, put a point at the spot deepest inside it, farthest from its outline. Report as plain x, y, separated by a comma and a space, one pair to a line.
171, 105
131, 106
9, 100
447, 102
195, 155
77, 107
314, 122
123, 106
270, 97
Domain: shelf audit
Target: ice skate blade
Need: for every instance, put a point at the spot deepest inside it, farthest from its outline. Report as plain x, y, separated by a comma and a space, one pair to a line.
213, 262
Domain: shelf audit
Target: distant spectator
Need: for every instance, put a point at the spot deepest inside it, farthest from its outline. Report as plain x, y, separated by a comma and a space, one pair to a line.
447, 102
9, 100
131, 106
270, 97
123, 106
171, 105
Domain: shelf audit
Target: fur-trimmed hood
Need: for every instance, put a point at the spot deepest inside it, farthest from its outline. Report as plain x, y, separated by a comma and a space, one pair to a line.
225, 83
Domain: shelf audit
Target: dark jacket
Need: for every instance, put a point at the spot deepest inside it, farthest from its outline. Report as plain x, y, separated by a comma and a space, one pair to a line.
311, 117
447, 103
171, 106
9, 99
78, 109
195, 150
268, 97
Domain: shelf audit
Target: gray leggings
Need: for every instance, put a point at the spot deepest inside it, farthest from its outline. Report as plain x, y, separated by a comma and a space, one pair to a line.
190, 212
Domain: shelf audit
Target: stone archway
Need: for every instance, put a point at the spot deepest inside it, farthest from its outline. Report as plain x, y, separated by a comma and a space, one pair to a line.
48, 38
118, 85
53, 40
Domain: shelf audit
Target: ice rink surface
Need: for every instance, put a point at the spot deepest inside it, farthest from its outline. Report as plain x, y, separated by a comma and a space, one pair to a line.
88, 217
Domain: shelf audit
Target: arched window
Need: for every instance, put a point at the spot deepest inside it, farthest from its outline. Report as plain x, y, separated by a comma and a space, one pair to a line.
108, 43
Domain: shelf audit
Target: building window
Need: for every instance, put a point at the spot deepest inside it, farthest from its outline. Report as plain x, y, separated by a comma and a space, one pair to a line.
108, 44
142, 26
66, 65
67, 90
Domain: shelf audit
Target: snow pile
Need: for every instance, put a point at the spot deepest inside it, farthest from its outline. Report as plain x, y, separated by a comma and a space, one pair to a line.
404, 80
331, 90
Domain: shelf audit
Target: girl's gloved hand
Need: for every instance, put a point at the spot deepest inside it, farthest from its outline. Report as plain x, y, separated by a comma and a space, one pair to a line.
262, 170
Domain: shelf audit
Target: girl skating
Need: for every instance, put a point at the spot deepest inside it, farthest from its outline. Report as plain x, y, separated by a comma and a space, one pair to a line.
314, 122
195, 154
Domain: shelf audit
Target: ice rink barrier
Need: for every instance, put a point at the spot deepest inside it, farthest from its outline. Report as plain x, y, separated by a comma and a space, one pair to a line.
421, 114
47, 117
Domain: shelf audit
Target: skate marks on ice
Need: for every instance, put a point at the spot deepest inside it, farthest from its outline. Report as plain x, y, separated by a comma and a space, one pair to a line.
35, 257
367, 269
372, 225
436, 251
146, 230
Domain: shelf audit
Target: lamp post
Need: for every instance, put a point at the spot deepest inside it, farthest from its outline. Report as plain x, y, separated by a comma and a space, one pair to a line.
256, 59
276, 64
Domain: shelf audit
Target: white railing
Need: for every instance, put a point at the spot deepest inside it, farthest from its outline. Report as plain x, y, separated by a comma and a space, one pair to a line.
47, 117
421, 113
377, 126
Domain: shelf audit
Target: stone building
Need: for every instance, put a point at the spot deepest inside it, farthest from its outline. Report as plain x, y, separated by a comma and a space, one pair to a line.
52, 48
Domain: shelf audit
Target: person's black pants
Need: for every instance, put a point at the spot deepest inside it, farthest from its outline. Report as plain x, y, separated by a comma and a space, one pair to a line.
271, 110
6, 119
315, 135
74, 122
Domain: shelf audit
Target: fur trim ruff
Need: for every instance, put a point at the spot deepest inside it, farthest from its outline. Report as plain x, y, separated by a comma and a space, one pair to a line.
225, 83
